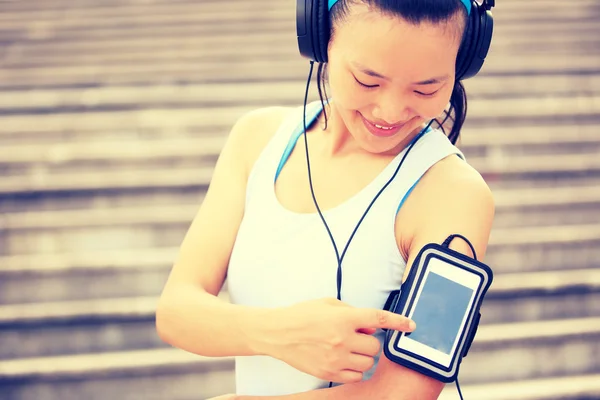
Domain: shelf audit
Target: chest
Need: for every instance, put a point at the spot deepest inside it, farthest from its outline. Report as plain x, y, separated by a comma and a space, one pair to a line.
334, 180
281, 258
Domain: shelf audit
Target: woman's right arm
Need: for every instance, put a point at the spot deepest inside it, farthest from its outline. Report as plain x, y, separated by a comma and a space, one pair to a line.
189, 315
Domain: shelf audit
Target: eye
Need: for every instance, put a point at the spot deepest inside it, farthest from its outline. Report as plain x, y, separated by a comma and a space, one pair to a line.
426, 94
364, 84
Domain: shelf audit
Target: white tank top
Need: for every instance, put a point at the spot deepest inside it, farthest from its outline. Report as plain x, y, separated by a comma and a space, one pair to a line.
282, 258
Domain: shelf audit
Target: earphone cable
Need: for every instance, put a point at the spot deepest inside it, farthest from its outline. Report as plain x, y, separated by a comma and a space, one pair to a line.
338, 257
337, 253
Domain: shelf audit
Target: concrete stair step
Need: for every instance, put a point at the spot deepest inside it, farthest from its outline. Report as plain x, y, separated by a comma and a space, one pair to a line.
76, 327
50, 231
51, 38
127, 323
191, 191
36, 44
570, 110
503, 141
142, 271
256, 43
199, 13
161, 13
140, 230
128, 161
565, 347
543, 248
529, 350
67, 99
85, 275
283, 65
102, 148
499, 172
101, 200
582, 387
39, 33
146, 374
478, 137
544, 27
506, 201
94, 4
545, 206
508, 39
548, 295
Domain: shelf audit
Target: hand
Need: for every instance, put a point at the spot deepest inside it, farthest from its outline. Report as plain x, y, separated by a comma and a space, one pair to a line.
329, 339
224, 397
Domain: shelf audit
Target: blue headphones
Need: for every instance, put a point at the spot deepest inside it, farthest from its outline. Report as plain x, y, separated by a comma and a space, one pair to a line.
312, 28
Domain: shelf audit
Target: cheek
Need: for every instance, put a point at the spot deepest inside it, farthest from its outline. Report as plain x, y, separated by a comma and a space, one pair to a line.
432, 108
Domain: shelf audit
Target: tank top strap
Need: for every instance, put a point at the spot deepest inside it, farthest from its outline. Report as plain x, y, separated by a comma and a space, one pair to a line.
263, 172
313, 110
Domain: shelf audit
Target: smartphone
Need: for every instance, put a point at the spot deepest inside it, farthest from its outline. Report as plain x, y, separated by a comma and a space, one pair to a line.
441, 308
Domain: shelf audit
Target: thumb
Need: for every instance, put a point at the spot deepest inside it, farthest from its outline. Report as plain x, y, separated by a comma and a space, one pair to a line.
374, 318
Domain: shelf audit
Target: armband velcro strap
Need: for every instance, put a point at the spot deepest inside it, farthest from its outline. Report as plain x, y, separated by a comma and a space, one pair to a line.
472, 334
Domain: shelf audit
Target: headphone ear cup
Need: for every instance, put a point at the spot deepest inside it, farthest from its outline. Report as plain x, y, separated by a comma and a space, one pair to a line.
463, 59
480, 41
322, 29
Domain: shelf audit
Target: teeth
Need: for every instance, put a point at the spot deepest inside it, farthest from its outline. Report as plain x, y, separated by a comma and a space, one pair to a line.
382, 127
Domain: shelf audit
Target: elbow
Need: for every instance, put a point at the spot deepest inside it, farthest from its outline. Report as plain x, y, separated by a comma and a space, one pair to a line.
163, 320
173, 322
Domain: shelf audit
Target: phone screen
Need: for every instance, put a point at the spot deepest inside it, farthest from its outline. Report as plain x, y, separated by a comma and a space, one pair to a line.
439, 313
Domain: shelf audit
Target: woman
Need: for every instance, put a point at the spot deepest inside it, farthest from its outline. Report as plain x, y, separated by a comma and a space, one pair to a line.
391, 70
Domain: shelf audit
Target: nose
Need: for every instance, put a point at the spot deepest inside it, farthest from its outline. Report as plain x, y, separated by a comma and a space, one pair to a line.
392, 109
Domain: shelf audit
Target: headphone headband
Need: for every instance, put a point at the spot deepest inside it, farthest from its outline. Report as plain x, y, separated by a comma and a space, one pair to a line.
466, 3
312, 29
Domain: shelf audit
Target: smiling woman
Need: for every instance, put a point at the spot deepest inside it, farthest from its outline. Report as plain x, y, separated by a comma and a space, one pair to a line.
372, 182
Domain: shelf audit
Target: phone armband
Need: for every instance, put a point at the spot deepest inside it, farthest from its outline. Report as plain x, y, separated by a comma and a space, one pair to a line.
443, 294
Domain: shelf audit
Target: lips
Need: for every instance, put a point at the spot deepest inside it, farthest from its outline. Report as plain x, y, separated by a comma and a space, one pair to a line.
381, 130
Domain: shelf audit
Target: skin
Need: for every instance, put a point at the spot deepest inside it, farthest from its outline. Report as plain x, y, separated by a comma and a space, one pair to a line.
450, 198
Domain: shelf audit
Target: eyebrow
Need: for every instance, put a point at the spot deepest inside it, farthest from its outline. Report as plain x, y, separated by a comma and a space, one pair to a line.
431, 81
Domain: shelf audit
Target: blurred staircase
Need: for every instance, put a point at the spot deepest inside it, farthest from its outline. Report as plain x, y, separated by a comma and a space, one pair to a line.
112, 114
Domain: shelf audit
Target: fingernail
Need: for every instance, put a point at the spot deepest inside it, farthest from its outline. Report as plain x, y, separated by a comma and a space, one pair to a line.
412, 325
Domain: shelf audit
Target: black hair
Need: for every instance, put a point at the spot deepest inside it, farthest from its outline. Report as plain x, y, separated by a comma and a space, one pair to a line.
413, 11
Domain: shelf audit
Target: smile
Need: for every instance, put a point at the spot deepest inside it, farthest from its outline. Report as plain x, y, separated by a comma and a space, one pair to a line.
383, 127
381, 130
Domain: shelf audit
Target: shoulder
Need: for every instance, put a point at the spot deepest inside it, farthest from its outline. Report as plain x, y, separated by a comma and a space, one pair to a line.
452, 185
452, 197
253, 130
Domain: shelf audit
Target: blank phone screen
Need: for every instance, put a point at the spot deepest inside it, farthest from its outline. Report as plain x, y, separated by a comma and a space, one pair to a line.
440, 309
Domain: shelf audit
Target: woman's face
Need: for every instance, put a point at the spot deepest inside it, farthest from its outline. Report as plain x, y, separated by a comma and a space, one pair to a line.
387, 76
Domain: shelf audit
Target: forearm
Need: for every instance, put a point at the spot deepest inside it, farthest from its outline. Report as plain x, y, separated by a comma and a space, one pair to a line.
390, 382
201, 323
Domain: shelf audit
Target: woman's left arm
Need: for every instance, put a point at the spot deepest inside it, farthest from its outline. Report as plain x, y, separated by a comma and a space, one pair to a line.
451, 198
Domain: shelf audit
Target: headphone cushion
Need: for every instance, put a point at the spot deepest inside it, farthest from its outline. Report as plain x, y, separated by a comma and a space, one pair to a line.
481, 37
472, 67
322, 29
465, 52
